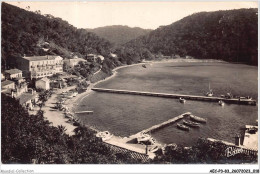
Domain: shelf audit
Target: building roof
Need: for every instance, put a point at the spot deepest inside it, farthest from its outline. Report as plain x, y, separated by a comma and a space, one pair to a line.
6, 91
23, 98
38, 58
68, 76
81, 59
18, 78
113, 55
45, 79
13, 71
6, 82
75, 60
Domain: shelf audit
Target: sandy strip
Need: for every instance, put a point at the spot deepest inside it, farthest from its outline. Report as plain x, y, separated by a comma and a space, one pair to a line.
55, 116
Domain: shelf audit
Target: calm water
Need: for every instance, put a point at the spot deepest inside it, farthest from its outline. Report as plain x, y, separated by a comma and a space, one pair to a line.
125, 115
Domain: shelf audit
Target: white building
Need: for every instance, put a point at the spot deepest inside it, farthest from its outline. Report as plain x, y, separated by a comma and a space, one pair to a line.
40, 66
43, 83
13, 73
73, 62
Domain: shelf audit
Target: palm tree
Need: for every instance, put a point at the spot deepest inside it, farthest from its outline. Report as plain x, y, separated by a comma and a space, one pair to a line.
62, 129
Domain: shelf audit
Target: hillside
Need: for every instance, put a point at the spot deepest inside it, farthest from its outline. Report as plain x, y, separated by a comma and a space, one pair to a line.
119, 34
31, 33
228, 35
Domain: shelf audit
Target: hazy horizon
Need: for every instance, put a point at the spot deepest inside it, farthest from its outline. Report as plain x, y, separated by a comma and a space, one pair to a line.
146, 15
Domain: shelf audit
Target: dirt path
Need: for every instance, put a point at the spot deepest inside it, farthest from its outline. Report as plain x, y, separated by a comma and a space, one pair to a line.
55, 116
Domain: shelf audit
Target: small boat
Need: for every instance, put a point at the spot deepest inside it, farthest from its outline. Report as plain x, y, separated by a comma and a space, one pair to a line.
249, 98
182, 127
210, 93
173, 145
143, 138
182, 100
84, 112
143, 66
191, 123
154, 149
104, 135
229, 96
198, 119
107, 137
221, 103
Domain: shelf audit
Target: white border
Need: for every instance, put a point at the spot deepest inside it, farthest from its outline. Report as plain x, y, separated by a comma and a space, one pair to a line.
95, 168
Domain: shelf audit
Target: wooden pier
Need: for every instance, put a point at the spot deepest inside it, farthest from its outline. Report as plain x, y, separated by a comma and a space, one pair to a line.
166, 123
158, 126
84, 112
189, 97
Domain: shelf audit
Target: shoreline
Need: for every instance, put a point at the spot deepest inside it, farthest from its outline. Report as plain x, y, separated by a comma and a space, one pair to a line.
58, 117
74, 102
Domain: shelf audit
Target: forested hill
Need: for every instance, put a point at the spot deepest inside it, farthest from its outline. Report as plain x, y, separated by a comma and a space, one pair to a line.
119, 34
228, 35
31, 33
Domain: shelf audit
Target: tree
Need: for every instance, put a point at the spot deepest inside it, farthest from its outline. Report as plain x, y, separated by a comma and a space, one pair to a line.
30, 139
43, 97
62, 129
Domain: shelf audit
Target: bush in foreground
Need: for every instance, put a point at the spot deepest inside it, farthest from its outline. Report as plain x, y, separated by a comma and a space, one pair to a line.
30, 139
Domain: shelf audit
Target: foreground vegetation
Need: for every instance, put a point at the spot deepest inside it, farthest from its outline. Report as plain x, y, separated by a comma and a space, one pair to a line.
203, 152
31, 139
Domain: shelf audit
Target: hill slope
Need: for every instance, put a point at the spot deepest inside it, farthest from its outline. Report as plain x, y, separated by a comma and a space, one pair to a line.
228, 35
25, 32
119, 34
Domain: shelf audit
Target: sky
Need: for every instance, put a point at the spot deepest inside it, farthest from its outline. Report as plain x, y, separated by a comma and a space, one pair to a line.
147, 15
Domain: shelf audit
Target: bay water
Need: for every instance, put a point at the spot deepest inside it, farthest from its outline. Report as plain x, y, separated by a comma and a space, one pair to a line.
124, 115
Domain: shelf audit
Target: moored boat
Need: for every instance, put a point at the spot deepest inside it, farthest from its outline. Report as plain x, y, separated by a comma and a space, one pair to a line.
210, 93
104, 135
182, 100
154, 149
143, 138
191, 123
182, 127
221, 103
198, 119
173, 145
